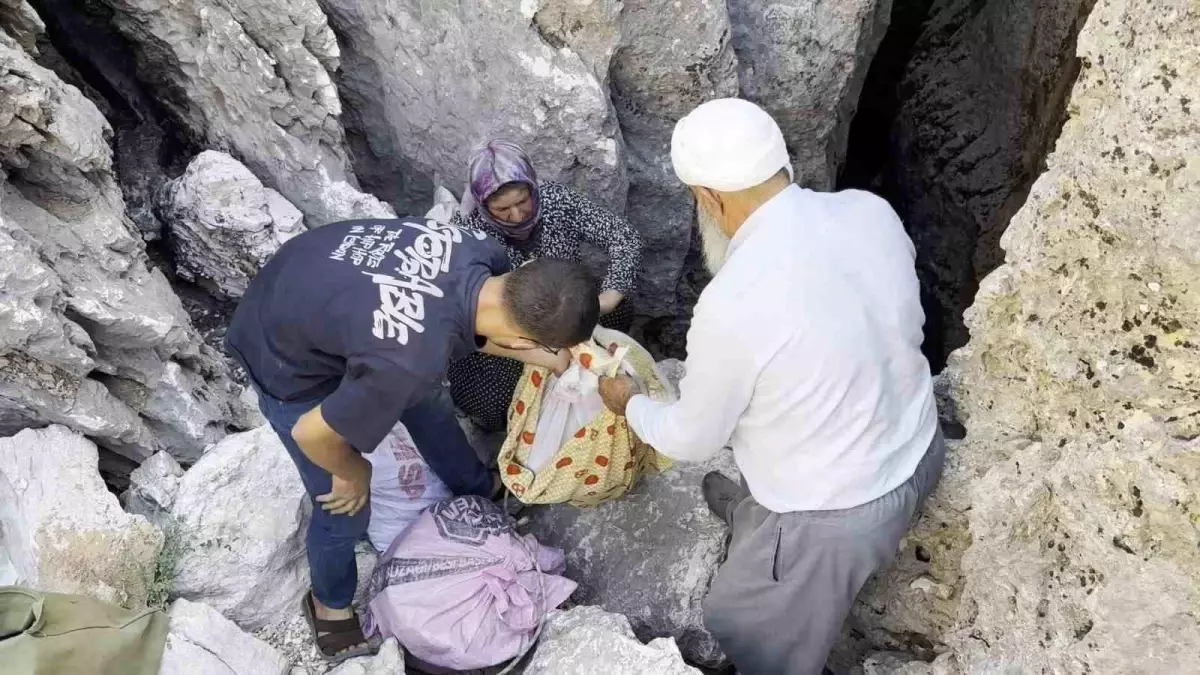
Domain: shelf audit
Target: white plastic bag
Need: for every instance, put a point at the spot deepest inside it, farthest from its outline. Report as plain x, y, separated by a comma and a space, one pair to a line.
570, 403
444, 206
402, 486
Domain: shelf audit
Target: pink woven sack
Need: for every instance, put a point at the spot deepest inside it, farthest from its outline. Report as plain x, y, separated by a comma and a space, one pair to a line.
461, 588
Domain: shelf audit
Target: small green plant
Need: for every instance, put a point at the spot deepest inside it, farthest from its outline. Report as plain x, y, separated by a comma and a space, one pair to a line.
165, 564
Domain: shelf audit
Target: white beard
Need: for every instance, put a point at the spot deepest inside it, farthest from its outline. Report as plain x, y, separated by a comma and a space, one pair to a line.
714, 242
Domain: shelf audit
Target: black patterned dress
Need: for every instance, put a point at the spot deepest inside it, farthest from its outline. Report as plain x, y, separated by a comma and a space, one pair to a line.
482, 385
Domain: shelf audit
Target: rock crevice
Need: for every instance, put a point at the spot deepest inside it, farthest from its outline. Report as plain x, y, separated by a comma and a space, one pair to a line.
90, 328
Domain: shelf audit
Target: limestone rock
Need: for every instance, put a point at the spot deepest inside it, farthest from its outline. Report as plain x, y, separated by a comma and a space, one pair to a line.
183, 409
293, 638
888, 663
202, 642
61, 530
429, 81
253, 417
666, 58
585, 640
182, 418
389, 661
153, 487
253, 79
650, 555
53, 139
590, 29
224, 224
22, 23
87, 327
671, 58
805, 62
242, 514
147, 145
917, 595
34, 393
186, 409
1076, 388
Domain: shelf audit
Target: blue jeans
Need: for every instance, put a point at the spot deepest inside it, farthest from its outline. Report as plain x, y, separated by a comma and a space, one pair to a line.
331, 538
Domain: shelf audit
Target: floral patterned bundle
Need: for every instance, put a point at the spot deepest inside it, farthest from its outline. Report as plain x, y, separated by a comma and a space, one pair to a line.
600, 460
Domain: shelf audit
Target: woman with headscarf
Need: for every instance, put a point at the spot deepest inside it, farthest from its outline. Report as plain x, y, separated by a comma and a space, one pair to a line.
533, 219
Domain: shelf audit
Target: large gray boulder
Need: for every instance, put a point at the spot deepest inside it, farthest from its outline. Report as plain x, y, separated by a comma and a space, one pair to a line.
181, 418
805, 61
202, 642
1080, 551
671, 58
253, 79
22, 23
650, 555
429, 81
586, 640
242, 514
152, 489
87, 327
661, 59
224, 223
61, 530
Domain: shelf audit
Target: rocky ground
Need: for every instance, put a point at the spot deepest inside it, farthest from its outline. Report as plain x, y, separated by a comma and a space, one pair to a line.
1044, 160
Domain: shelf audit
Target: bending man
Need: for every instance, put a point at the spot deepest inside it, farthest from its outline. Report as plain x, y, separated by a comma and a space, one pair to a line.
349, 329
804, 355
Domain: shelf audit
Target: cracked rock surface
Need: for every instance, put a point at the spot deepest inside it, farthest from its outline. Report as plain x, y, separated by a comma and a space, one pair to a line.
253, 79
61, 530
1070, 541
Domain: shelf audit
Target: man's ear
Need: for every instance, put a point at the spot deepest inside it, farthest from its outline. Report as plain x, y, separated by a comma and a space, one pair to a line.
707, 199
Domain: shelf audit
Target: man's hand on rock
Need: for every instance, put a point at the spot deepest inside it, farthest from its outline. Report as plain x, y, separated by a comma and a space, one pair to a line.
616, 392
350, 494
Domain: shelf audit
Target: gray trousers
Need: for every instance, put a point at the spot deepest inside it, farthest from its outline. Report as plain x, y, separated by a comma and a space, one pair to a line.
778, 602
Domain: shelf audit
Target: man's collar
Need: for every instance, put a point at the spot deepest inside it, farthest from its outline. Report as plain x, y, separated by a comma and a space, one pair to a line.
773, 208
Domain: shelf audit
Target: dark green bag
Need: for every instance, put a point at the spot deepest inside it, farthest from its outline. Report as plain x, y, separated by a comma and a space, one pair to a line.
56, 634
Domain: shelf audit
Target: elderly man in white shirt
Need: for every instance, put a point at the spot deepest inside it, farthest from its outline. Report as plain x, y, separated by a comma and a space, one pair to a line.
804, 356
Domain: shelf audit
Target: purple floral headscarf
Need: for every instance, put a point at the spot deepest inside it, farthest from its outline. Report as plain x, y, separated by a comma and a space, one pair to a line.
493, 165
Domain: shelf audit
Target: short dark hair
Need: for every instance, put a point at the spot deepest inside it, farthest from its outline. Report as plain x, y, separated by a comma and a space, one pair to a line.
556, 301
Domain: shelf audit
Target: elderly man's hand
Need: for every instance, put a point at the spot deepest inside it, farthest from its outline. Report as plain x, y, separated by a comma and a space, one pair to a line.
616, 392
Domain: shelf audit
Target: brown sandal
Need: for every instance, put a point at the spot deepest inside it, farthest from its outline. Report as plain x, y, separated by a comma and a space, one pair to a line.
332, 637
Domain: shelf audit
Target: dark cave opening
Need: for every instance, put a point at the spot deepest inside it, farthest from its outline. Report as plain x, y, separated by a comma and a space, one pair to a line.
960, 108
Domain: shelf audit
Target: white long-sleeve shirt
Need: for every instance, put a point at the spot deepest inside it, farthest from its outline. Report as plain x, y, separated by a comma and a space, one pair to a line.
804, 355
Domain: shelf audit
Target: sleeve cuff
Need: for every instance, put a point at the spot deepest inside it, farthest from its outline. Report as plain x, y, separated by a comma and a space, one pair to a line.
636, 411
611, 284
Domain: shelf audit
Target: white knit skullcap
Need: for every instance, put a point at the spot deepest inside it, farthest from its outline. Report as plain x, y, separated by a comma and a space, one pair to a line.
728, 145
